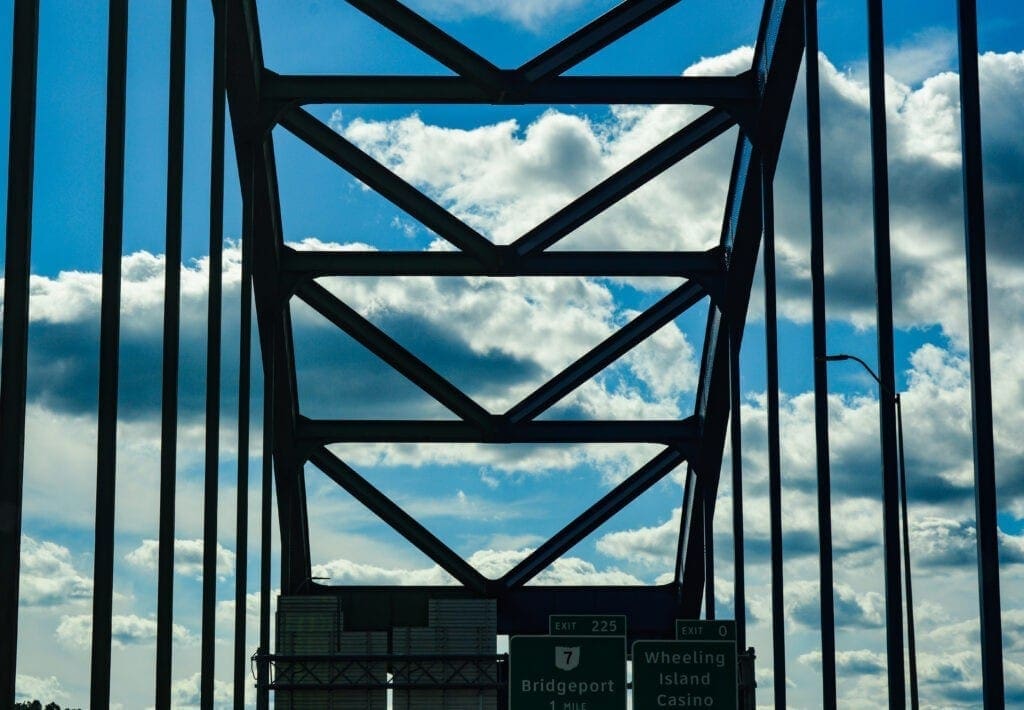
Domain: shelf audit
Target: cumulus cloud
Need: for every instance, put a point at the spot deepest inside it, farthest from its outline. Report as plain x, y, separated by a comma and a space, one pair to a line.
503, 179
126, 630
611, 462
30, 687
65, 335
859, 662
490, 563
852, 609
185, 692
48, 575
650, 546
188, 557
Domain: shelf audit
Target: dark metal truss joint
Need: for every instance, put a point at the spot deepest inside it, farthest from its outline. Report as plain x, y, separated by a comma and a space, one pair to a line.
747, 110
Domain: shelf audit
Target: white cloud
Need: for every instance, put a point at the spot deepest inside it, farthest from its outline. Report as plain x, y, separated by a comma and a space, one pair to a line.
852, 609
651, 546
185, 692
29, 687
490, 563
126, 630
188, 557
48, 575
612, 462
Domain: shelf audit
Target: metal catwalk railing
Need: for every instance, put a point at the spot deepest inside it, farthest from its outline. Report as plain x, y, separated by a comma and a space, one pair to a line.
236, 69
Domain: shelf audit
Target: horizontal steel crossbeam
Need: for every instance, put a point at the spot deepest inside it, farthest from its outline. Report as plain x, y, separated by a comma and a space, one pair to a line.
720, 91
316, 432
699, 265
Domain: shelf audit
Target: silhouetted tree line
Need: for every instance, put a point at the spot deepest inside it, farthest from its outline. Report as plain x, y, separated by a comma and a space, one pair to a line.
36, 705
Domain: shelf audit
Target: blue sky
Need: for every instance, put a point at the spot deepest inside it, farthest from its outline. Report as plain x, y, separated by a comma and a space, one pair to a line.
494, 168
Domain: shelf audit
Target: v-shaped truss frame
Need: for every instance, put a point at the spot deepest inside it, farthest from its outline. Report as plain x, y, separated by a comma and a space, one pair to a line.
757, 101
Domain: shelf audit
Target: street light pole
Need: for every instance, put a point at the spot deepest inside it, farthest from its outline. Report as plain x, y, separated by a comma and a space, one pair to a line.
902, 473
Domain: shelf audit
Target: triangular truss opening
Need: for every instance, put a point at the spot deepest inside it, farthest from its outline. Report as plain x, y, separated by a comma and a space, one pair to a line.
476, 500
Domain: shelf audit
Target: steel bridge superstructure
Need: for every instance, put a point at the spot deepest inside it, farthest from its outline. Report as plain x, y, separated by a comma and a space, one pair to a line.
755, 103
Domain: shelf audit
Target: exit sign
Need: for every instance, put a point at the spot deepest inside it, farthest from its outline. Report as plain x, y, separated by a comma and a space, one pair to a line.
587, 625
698, 669
567, 673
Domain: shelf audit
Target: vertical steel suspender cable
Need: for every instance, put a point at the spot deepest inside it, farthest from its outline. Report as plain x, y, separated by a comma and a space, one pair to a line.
14, 368
774, 462
907, 576
886, 357
213, 382
981, 368
736, 439
244, 345
242, 527
110, 336
171, 342
109, 355
266, 510
826, 596
242, 517
267, 464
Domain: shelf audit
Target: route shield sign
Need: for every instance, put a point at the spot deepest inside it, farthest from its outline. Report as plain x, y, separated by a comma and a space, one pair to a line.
587, 624
567, 673
697, 670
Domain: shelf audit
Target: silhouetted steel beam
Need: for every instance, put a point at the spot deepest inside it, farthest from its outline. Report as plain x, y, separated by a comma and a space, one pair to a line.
777, 56
317, 432
700, 265
736, 454
110, 335
266, 527
606, 352
593, 37
981, 367
592, 518
430, 39
722, 91
403, 523
373, 174
254, 153
709, 558
771, 332
14, 368
886, 358
648, 166
684, 526
276, 332
386, 348
824, 477
212, 424
171, 348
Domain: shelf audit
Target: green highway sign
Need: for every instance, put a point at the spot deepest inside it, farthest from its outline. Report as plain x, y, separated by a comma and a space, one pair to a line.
587, 624
567, 673
697, 670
